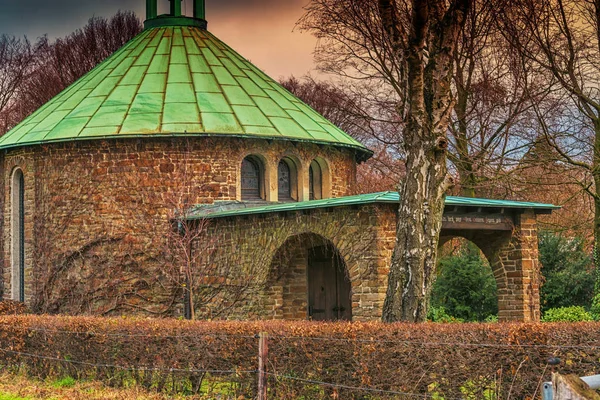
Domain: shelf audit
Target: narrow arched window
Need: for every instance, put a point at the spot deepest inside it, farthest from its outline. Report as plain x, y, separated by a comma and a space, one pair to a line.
284, 178
252, 179
315, 181
18, 235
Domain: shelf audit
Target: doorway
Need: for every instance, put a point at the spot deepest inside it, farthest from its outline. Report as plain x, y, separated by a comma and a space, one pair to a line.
328, 287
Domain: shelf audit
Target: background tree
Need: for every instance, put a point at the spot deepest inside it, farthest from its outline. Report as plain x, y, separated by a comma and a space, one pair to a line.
409, 47
562, 39
567, 270
368, 121
16, 62
31, 75
465, 287
491, 115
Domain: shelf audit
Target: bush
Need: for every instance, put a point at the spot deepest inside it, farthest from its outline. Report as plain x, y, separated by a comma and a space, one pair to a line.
433, 360
567, 314
491, 319
568, 272
465, 287
439, 314
13, 307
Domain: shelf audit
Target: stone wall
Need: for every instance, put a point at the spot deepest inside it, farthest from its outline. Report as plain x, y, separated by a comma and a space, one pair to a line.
274, 251
271, 251
513, 257
97, 212
98, 238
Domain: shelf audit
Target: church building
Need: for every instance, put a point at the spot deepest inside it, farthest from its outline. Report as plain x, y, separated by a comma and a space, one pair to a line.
177, 176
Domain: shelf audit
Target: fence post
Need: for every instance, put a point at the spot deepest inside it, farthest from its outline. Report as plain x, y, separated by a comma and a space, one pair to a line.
572, 387
263, 352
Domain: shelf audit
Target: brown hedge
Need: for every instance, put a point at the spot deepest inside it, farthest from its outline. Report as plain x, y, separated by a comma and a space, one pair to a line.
13, 307
471, 361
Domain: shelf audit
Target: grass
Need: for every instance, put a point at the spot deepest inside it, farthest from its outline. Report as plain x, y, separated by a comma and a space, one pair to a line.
20, 387
66, 382
12, 397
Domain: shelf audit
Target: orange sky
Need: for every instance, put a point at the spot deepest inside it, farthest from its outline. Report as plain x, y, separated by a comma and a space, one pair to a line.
267, 38
260, 30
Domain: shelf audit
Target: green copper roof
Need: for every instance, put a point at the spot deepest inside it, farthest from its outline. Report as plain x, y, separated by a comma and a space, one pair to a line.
176, 80
240, 208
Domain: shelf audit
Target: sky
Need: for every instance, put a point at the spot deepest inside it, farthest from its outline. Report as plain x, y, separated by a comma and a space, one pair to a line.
261, 30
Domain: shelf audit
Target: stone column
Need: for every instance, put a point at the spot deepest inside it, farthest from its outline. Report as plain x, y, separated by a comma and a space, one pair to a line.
520, 301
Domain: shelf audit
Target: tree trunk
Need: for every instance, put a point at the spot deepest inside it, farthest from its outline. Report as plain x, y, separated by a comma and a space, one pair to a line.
596, 197
597, 226
413, 265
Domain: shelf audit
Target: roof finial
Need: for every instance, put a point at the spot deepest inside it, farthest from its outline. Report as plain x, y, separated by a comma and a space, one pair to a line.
199, 9
175, 16
176, 8
151, 9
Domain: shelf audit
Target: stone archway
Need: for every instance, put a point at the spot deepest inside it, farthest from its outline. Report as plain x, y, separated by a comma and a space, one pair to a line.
310, 280
466, 286
512, 255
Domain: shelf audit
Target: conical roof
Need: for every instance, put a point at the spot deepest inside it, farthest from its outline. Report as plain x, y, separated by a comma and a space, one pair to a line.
176, 80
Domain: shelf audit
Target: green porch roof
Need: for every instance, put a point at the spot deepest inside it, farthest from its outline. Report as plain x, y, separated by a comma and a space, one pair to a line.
176, 80
241, 208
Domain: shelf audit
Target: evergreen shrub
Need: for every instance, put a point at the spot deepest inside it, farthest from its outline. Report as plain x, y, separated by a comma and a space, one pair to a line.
567, 314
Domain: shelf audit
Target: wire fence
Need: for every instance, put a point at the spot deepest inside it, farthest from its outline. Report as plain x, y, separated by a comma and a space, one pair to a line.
371, 366
230, 372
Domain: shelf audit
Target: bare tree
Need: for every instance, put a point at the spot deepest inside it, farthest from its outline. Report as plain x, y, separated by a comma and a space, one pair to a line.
16, 62
35, 74
562, 39
409, 46
76, 54
369, 119
492, 113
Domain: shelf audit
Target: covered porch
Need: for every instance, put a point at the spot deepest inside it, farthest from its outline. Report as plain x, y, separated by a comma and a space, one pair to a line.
328, 259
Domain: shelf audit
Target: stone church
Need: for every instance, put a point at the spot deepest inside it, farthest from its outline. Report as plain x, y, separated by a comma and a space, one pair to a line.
177, 175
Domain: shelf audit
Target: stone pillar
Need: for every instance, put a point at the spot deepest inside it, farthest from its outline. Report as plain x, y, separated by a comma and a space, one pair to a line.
520, 299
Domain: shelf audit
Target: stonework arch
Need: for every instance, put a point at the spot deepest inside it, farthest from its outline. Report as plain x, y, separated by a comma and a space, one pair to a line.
513, 257
487, 246
291, 272
261, 241
324, 184
17, 234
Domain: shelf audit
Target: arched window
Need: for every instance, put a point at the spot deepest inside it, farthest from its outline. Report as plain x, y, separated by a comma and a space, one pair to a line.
288, 188
252, 179
319, 179
18, 235
315, 181
284, 178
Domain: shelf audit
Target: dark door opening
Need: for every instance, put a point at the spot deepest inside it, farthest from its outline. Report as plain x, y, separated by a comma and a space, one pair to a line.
328, 288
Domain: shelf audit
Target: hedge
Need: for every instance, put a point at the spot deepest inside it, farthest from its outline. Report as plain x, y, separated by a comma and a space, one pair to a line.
443, 361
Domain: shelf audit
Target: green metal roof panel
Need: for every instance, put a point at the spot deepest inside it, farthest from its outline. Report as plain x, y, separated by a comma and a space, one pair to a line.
176, 80
361, 199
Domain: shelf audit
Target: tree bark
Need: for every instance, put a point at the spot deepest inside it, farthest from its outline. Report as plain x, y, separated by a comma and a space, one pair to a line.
412, 269
596, 196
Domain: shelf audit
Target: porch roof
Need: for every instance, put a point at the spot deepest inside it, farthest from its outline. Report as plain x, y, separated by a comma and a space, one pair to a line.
234, 209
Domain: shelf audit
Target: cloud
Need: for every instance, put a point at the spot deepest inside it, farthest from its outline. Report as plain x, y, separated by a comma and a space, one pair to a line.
261, 30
